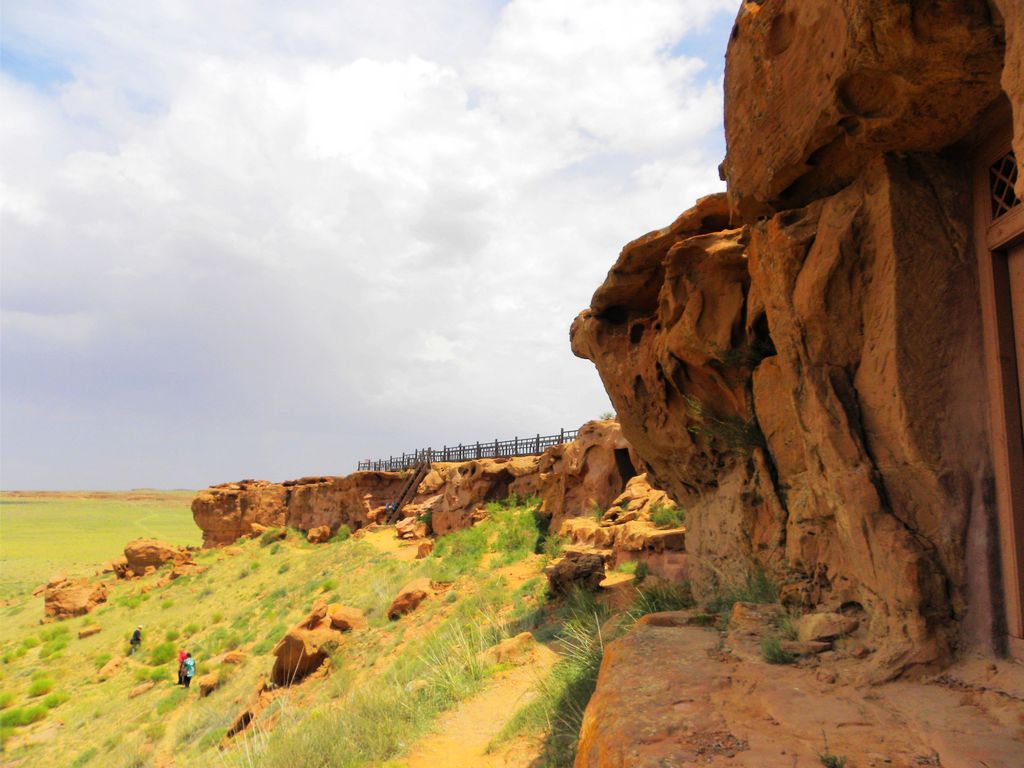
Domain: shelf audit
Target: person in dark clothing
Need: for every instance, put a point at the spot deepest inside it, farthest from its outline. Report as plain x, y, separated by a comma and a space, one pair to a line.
189, 665
181, 666
136, 640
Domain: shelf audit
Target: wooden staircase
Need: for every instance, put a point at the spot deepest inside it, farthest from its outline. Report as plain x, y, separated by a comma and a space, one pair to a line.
409, 490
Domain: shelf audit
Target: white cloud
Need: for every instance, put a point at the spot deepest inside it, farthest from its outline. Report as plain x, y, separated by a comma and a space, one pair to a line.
296, 253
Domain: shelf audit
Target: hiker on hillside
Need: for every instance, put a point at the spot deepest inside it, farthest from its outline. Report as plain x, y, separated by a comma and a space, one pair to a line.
181, 666
189, 665
136, 640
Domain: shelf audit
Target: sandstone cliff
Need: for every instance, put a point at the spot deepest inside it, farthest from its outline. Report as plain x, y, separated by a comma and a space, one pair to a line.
797, 362
571, 479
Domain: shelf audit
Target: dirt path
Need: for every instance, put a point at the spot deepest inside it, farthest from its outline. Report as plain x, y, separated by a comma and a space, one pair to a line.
462, 735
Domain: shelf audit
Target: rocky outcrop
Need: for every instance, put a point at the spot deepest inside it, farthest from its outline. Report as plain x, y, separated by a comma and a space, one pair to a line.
782, 359
230, 511
575, 569
571, 479
310, 643
65, 598
455, 495
144, 556
586, 475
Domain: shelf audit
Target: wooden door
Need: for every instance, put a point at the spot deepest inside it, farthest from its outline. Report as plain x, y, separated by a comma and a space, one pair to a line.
999, 239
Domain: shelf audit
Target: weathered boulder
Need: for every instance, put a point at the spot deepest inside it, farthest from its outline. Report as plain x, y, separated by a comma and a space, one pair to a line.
89, 631
319, 534
346, 619
575, 568
409, 598
142, 556
140, 689
511, 650
410, 528
424, 548
207, 684
68, 598
109, 669
825, 626
635, 502
310, 643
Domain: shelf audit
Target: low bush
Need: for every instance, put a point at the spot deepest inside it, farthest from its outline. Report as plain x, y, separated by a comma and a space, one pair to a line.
170, 701
342, 534
161, 654
5, 699
757, 587
663, 597
20, 716
771, 651
40, 687
55, 700
101, 659
171, 635
84, 757
667, 515
190, 629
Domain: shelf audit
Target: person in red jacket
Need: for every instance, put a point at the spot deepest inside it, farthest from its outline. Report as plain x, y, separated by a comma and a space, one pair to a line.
181, 666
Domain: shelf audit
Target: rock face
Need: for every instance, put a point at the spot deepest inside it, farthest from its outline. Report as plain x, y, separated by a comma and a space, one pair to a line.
799, 125
585, 475
781, 358
67, 598
575, 568
227, 512
569, 479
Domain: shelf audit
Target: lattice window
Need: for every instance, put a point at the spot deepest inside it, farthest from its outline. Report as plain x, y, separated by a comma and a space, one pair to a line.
1002, 176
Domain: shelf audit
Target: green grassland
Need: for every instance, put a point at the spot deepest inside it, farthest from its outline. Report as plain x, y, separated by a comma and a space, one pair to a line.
45, 533
387, 685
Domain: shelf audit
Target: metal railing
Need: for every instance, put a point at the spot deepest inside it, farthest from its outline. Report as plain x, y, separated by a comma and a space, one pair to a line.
492, 449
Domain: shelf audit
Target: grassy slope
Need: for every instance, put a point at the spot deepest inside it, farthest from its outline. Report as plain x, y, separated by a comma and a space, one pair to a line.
387, 685
247, 600
42, 534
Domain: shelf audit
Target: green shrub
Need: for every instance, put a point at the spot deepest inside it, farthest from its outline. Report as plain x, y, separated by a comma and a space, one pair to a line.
328, 585
733, 432
342, 534
771, 651
101, 659
271, 536
283, 568
166, 604
85, 757
757, 587
30, 642
190, 629
155, 731
218, 616
5, 699
827, 759
40, 687
162, 654
459, 553
276, 548
53, 647
55, 633
171, 635
667, 515
55, 700
22, 715
663, 597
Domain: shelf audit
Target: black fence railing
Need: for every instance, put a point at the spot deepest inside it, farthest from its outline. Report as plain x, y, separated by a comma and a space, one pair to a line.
492, 449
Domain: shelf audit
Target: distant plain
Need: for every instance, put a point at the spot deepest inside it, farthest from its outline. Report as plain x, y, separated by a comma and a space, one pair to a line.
46, 532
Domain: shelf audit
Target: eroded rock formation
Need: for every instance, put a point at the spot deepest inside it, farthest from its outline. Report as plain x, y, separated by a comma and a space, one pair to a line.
64, 598
796, 362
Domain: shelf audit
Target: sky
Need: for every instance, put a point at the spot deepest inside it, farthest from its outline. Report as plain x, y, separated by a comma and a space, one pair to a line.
270, 239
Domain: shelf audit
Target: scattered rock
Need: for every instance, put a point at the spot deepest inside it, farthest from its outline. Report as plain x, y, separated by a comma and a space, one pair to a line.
690, 618
804, 647
110, 668
207, 684
140, 689
825, 626
89, 631
511, 650
411, 528
346, 619
65, 599
409, 598
575, 569
233, 657
319, 534
424, 548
